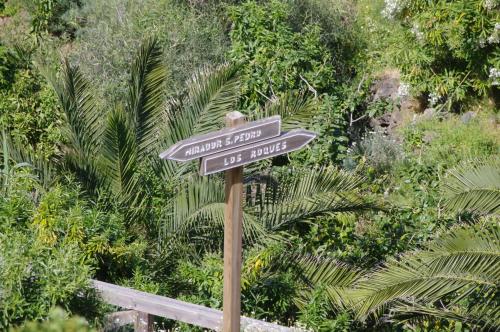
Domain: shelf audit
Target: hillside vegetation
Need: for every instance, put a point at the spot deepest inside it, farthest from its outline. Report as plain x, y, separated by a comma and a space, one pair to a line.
388, 221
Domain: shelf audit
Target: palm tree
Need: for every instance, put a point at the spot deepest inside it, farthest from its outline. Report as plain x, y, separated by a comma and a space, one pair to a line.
109, 152
455, 277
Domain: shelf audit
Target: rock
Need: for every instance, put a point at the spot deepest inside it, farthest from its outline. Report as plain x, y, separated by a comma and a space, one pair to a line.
429, 113
386, 85
429, 136
412, 104
383, 121
466, 117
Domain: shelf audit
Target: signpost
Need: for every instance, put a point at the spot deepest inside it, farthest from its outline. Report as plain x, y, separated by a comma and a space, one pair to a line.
225, 139
228, 150
287, 142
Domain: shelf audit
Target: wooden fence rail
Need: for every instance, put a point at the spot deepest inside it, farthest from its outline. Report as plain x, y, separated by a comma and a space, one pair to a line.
143, 305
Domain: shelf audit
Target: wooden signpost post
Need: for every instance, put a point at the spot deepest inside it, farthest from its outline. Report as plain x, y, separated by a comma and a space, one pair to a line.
228, 150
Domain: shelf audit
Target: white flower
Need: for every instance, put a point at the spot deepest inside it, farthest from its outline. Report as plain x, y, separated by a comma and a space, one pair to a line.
495, 76
493, 39
392, 8
495, 35
416, 31
403, 90
433, 99
490, 4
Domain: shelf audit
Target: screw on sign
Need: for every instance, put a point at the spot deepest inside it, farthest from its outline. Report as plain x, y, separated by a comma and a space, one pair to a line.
228, 150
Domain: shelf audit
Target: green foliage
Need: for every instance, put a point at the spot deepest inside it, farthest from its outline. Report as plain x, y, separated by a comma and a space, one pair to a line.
28, 106
121, 143
316, 314
455, 277
449, 142
340, 34
42, 264
205, 280
6, 67
109, 32
155, 225
57, 321
474, 187
46, 15
457, 265
276, 59
454, 54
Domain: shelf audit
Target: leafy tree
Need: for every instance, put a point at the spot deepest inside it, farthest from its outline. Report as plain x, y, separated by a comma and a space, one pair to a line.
28, 106
276, 59
454, 53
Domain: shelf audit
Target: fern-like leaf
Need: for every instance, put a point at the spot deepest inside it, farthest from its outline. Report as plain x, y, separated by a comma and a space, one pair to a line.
474, 186
145, 104
460, 262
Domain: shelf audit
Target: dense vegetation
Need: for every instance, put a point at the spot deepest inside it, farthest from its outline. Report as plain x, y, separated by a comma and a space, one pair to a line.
387, 221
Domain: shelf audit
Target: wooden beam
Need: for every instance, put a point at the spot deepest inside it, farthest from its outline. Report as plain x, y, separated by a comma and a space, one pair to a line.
232, 239
119, 319
144, 322
177, 310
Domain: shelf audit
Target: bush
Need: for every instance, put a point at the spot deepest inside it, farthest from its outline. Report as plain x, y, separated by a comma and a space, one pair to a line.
37, 276
109, 32
28, 106
57, 321
274, 58
452, 53
281, 47
51, 244
46, 15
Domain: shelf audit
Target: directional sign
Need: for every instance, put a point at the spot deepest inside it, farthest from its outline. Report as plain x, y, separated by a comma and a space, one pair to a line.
225, 139
227, 150
287, 142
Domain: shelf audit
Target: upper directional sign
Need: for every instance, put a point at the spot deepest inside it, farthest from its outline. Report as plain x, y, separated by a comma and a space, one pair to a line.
225, 139
287, 142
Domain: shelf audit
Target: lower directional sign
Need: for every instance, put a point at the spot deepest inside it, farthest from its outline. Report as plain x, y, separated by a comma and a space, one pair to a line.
287, 142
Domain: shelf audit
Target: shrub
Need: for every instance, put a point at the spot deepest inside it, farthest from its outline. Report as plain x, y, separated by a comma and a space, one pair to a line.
51, 244
58, 321
28, 106
281, 47
378, 151
46, 15
37, 276
452, 52
340, 32
109, 32
274, 58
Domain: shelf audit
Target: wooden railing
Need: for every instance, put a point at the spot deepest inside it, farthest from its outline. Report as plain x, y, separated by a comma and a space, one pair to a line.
143, 306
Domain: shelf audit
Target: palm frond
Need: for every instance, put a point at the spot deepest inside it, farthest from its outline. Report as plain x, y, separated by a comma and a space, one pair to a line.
302, 195
120, 157
43, 169
199, 208
210, 95
5, 159
82, 116
336, 278
485, 317
459, 262
83, 126
474, 186
146, 97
